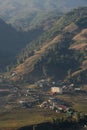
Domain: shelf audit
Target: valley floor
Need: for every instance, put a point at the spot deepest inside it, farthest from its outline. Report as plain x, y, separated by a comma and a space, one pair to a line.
15, 113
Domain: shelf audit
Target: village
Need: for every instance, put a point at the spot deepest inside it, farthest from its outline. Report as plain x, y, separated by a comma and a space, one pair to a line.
43, 94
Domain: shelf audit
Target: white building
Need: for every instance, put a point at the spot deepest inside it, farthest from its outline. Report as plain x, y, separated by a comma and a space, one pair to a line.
56, 90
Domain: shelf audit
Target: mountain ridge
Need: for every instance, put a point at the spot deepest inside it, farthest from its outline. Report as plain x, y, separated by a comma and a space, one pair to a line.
55, 57
32, 13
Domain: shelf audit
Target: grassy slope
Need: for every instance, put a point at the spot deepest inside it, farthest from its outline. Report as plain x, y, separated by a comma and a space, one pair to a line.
29, 63
69, 26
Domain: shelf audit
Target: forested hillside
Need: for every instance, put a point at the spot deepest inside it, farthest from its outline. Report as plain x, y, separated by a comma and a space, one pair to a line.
43, 67
61, 53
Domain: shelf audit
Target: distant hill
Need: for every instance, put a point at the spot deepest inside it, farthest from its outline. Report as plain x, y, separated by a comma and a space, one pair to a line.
30, 13
12, 41
61, 53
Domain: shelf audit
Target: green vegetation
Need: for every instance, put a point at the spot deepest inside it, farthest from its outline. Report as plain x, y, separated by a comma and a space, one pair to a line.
52, 55
59, 53
24, 120
24, 117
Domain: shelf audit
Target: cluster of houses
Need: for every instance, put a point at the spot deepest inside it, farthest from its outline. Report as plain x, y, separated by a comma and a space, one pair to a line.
55, 104
37, 94
58, 87
43, 89
70, 89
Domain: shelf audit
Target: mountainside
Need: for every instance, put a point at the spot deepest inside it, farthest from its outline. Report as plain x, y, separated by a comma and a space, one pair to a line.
12, 41
61, 53
29, 13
